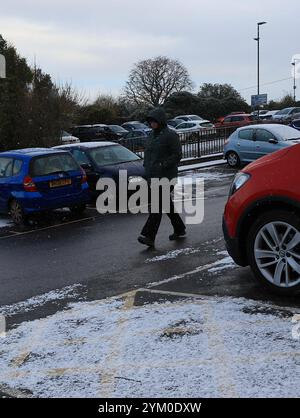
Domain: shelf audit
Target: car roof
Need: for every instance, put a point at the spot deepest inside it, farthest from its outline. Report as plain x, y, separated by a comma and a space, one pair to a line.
87, 145
29, 152
273, 127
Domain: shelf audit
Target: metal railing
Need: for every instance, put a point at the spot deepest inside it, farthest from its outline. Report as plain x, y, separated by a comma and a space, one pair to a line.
194, 144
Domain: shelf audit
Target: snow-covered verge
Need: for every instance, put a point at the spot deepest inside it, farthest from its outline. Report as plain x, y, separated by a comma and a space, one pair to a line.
206, 347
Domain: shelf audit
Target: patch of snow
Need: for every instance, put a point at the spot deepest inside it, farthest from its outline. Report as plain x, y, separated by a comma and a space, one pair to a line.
40, 300
201, 165
223, 264
172, 254
210, 347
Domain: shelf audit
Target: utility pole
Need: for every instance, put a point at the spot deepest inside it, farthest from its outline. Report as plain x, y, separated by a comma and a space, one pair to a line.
258, 58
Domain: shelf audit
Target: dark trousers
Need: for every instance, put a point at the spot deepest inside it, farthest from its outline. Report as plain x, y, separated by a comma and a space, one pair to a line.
151, 227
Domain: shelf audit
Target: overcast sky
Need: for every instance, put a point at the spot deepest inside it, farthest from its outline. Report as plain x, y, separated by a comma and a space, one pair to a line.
95, 43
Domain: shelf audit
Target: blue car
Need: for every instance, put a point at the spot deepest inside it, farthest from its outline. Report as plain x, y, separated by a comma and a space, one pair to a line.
249, 143
105, 160
40, 179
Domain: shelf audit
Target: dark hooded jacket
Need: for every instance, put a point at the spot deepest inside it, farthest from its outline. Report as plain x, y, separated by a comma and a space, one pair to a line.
163, 150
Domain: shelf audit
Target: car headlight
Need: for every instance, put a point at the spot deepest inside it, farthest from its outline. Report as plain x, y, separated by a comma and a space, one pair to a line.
239, 180
135, 179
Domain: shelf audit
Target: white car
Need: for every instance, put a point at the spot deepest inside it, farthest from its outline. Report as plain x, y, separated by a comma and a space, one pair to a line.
67, 138
189, 118
187, 129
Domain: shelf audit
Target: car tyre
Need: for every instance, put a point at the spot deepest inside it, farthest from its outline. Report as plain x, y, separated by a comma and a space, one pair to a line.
274, 268
233, 159
17, 214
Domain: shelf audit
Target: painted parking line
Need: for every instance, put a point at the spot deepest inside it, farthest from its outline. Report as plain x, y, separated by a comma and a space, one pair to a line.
15, 233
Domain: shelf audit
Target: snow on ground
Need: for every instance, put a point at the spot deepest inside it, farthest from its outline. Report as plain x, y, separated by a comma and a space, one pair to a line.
172, 254
223, 264
205, 347
205, 174
40, 300
200, 165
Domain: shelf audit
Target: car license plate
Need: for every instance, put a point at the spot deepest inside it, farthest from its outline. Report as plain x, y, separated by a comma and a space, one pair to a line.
60, 183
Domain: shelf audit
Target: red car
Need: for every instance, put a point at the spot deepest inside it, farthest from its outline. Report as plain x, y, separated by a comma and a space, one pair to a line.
261, 222
235, 120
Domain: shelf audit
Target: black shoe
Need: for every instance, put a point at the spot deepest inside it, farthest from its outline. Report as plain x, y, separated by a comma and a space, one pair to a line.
177, 235
146, 241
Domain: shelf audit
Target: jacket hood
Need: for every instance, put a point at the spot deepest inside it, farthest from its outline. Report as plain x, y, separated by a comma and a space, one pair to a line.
158, 114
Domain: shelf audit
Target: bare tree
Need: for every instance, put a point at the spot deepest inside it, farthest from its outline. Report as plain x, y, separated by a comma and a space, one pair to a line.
152, 81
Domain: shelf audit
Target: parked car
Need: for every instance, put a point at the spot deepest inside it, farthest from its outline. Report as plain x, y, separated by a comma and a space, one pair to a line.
105, 159
131, 126
40, 179
86, 132
195, 127
67, 138
109, 132
261, 221
174, 122
188, 118
235, 121
262, 112
252, 142
269, 115
295, 124
286, 114
135, 139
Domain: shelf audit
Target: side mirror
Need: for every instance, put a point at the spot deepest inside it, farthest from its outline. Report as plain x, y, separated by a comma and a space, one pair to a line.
273, 141
86, 167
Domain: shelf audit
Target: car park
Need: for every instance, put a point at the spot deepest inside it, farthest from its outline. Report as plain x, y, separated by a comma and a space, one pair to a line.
105, 160
261, 221
250, 143
40, 179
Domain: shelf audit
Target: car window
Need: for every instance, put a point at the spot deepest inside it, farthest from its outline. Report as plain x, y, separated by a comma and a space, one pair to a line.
297, 123
263, 135
80, 156
114, 154
237, 118
50, 164
17, 167
6, 165
228, 119
246, 134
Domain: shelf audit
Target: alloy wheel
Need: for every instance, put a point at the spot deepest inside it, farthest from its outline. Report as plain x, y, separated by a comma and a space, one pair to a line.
277, 253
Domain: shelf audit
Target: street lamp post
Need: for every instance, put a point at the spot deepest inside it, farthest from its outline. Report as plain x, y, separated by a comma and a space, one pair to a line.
294, 86
258, 76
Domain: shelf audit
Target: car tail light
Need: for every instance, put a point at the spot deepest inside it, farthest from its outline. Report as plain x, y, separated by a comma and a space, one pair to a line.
84, 177
29, 185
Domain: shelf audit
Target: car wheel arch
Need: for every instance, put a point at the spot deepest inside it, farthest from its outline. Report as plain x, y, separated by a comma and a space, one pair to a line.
258, 208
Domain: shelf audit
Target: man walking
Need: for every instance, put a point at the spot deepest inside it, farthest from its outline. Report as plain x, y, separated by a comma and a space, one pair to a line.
162, 156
